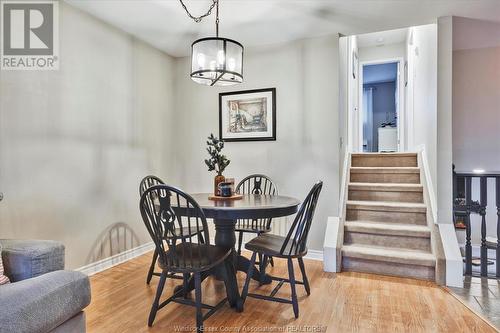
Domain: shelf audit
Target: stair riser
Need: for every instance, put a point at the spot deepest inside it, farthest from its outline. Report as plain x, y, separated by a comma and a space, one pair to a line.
387, 268
384, 161
393, 196
405, 178
389, 241
386, 216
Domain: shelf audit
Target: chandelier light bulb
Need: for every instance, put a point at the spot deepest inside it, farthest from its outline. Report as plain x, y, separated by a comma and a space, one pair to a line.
221, 57
231, 64
201, 60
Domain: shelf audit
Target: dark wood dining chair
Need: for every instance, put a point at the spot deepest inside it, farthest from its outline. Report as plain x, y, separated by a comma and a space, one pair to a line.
255, 184
167, 212
293, 246
146, 183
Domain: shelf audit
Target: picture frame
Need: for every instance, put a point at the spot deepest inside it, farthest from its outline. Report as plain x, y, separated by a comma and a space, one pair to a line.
247, 115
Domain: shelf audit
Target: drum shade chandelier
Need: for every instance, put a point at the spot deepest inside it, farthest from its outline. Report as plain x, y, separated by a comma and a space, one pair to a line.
215, 61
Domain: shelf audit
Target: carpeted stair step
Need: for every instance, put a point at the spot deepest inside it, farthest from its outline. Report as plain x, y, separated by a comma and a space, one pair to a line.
384, 160
388, 235
394, 192
409, 175
395, 262
385, 211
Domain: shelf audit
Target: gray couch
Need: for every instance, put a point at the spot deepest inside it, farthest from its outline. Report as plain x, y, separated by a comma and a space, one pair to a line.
42, 297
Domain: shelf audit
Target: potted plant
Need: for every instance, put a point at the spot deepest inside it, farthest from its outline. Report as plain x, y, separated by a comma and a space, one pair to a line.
217, 161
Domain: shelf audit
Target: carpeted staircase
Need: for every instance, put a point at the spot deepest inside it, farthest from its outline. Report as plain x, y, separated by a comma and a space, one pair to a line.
385, 230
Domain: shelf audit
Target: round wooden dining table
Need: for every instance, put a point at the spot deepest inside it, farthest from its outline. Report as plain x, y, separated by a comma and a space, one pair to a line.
225, 213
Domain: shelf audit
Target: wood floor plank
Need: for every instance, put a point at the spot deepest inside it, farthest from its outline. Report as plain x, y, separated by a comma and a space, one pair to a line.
345, 302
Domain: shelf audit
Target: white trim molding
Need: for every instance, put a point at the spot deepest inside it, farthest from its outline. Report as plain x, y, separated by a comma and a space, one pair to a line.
454, 261
314, 255
117, 259
331, 245
125, 256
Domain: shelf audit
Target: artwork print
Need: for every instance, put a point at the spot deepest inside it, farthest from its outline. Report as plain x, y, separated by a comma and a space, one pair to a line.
248, 115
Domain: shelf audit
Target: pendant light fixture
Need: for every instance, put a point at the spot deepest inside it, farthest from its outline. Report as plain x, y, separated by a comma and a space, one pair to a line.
215, 61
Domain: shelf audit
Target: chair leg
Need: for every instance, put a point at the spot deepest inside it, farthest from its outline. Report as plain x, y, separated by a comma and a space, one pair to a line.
240, 242
292, 287
271, 261
185, 283
200, 236
156, 302
304, 276
199, 314
244, 292
152, 267
262, 267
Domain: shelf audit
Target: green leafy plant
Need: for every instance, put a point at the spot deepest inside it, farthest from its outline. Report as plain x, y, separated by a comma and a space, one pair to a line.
217, 161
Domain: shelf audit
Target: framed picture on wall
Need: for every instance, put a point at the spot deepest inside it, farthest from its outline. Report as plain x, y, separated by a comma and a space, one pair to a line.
248, 115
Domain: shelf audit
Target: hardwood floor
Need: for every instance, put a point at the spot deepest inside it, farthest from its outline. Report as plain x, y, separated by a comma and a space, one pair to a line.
346, 302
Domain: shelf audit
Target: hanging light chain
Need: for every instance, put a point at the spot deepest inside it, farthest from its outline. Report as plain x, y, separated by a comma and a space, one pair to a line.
217, 19
198, 19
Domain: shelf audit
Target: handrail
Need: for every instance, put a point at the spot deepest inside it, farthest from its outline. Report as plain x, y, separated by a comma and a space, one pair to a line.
343, 185
443, 273
426, 179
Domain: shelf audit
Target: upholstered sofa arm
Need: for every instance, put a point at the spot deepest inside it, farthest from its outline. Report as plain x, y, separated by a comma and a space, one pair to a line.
25, 259
43, 303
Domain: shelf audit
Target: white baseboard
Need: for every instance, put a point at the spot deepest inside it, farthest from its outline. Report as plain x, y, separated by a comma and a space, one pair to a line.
117, 259
120, 258
314, 255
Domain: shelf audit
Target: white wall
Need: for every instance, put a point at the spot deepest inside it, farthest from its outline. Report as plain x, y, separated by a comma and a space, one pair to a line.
354, 114
343, 73
305, 74
454, 263
397, 50
476, 95
444, 121
476, 108
75, 143
474, 34
422, 64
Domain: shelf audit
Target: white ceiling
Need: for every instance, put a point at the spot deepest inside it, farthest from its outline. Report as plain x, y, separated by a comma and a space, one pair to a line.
164, 24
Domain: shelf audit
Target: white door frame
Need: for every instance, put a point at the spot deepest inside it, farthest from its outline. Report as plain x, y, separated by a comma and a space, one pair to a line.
400, 106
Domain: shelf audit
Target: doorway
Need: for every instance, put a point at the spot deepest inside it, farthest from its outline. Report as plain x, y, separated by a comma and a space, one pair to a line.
379, 106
